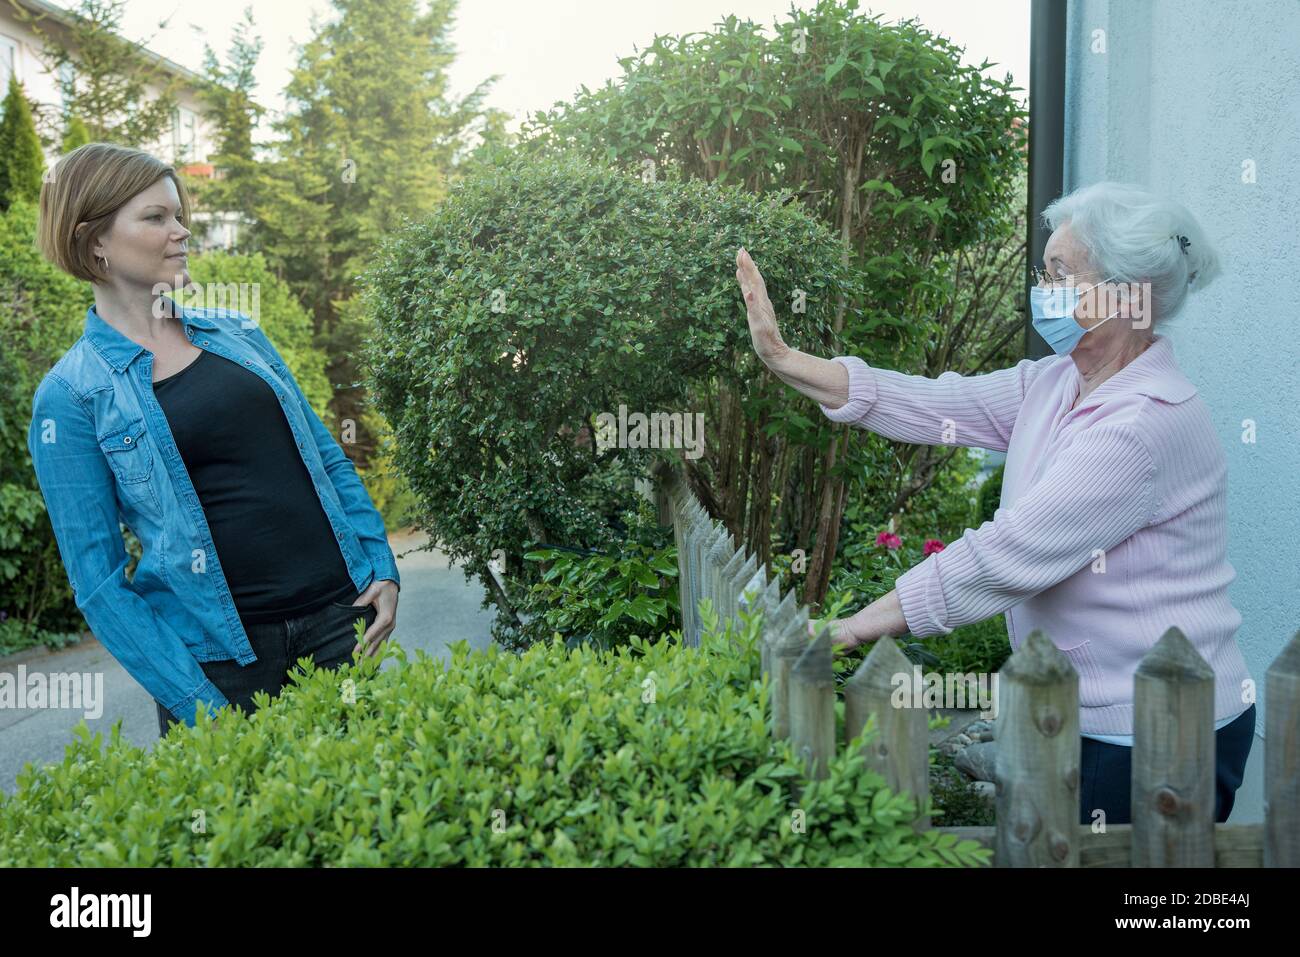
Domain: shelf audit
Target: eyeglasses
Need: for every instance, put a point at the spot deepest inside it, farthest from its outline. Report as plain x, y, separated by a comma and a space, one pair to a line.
1043, 278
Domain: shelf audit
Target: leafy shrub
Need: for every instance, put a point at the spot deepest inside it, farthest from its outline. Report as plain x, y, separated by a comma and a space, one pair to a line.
954, 794
606, 598
539, 295
990, 496
649, 755
43, 314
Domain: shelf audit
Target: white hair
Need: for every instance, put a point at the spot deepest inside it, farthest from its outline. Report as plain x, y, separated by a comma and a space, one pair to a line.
1133, 234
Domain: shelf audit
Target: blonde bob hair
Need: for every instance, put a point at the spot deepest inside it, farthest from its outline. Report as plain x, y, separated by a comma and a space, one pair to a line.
88, 186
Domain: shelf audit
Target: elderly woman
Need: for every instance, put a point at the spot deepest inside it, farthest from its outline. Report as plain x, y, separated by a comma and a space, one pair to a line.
1113, 520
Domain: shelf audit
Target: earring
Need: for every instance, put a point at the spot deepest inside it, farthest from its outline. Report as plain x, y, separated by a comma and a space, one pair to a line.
105, 258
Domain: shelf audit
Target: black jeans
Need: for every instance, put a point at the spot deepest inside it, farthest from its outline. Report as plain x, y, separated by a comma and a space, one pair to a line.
326, 636
1106, 772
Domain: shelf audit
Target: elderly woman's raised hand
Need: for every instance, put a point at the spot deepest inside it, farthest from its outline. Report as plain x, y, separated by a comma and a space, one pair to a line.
762, 317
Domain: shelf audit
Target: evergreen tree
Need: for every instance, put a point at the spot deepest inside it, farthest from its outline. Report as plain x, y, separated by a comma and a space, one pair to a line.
228, 95
74, 134
22, 163
109, 85
367, 141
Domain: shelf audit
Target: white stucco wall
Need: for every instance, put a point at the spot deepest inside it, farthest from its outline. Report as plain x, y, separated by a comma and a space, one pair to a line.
1185, 95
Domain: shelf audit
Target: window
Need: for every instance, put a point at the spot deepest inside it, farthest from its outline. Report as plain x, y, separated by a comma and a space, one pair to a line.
184, 135
8, 61
66, 76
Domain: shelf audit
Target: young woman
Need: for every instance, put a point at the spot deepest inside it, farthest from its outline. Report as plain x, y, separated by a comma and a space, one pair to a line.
1110, 452
260, 544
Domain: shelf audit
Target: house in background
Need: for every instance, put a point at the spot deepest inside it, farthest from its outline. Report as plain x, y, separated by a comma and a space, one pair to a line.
186, 145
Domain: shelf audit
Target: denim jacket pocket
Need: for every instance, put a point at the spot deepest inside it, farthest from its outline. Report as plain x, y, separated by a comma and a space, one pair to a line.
127, 454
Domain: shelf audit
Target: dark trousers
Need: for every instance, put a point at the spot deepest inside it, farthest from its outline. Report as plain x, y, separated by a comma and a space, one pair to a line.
326, 636
1106, 772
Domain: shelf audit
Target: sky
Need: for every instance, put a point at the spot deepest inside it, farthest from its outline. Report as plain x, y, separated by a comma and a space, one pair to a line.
543, 50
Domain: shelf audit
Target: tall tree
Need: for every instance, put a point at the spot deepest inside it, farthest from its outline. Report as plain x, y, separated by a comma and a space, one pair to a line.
881, 132
21, 161
117, 87
367, 141
234, 116
74, 134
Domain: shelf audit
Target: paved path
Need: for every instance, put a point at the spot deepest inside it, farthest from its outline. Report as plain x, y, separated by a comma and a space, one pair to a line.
437, 606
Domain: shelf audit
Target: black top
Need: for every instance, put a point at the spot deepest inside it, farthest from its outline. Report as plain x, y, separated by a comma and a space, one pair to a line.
275, 543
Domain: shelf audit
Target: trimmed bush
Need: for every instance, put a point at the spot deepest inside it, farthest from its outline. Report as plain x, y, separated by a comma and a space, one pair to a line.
543, 293
649, 755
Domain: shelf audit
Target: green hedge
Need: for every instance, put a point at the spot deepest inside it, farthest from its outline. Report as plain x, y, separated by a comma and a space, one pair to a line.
646, 755
43, 314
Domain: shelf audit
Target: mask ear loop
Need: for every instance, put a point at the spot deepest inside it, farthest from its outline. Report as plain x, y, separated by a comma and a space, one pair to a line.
1112, 315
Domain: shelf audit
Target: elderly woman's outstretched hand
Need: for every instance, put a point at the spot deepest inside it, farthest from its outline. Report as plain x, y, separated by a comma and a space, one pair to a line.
882, 617
762, 317
843, 637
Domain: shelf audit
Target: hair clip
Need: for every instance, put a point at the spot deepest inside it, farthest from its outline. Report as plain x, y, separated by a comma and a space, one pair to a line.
1183, 242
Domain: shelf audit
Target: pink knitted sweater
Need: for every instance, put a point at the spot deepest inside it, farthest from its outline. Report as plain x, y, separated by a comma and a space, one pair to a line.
1113, 523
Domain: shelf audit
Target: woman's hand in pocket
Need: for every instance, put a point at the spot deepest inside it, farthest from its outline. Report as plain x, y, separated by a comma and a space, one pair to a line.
383, 595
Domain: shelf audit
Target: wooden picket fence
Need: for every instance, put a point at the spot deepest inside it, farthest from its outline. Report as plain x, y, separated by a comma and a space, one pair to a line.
1037, 802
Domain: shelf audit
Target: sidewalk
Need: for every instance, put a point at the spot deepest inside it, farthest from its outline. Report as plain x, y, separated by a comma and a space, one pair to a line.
437, 606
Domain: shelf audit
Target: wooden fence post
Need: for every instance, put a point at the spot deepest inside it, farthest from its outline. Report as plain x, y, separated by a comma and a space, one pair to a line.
812, 706
1172, 805
1037, 767
730, 587
769, 600
716, 549
1282, 759
901, 749
694, 534
786, 644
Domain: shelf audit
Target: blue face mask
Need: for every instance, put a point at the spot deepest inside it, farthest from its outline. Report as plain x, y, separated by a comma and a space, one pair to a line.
1053, 308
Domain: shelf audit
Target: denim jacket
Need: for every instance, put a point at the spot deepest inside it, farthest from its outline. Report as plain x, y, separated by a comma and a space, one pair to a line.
104, 453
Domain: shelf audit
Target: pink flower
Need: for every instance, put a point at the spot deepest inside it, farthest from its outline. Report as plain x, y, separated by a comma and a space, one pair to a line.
932, 545
889, 540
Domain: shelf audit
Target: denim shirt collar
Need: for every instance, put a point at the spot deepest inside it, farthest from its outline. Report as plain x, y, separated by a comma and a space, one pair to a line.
118, 350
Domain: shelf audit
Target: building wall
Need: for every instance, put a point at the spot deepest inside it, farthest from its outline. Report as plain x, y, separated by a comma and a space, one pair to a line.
1186, 94
211, 231
41, 85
